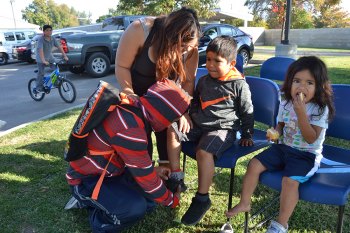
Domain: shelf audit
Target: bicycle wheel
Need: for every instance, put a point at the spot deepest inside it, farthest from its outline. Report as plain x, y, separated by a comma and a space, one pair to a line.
67, 91
37, 96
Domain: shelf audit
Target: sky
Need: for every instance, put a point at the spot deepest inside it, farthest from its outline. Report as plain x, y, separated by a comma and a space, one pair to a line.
96, 7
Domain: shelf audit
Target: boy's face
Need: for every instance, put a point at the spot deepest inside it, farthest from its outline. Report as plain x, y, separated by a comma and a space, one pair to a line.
48, 32
218, 66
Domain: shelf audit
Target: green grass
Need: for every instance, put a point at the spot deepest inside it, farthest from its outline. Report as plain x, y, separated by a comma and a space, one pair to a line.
338, 67
34, 190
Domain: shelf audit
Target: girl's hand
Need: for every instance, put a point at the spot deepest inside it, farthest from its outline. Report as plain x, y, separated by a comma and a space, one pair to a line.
299, 104
185, 123
272, 135
163, 172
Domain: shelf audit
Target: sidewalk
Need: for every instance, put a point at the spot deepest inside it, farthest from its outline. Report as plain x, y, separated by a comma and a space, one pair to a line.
304, 52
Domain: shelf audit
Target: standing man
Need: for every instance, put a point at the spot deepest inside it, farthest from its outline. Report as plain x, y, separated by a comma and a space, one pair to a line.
44, 54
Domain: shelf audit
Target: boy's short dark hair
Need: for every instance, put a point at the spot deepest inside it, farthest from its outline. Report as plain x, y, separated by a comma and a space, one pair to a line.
224, 46
46, 26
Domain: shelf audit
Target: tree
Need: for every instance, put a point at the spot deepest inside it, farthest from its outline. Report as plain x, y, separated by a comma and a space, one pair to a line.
305, 13
42, 12
204, 8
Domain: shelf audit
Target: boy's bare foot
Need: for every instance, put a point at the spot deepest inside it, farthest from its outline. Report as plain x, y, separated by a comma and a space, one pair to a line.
237, 209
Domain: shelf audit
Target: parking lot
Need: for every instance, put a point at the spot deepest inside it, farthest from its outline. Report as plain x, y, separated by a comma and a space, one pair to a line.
18, 108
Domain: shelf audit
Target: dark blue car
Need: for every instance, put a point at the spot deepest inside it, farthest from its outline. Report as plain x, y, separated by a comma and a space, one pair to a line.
210, 31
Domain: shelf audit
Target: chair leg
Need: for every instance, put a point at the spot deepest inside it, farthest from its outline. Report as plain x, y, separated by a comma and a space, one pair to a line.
340, 219
246, 221
184, 163
232, 177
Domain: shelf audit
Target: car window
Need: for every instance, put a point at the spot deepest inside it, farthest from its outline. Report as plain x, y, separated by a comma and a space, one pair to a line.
212, 33
9, 36
20, 36
227, 31
113, 23
30, 34
238, 32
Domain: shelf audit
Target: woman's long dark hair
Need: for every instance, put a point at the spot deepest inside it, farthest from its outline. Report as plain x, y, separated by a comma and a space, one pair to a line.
172, 33
323, 89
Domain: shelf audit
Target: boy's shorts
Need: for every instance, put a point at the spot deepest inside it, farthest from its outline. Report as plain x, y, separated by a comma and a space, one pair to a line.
214, 142
295, 164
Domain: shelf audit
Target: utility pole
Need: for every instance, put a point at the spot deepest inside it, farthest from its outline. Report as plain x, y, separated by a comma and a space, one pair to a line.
287, 22
14, 20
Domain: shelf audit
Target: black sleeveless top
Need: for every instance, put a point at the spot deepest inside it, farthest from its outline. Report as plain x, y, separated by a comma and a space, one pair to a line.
143, 70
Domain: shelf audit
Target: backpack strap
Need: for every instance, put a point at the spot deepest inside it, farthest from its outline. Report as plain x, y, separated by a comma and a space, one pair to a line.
98, 185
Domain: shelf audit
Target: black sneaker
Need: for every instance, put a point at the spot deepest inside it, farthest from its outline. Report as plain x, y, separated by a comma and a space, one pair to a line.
196, 211
173, 183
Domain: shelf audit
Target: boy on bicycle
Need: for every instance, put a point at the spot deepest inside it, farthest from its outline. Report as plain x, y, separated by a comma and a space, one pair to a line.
44, 54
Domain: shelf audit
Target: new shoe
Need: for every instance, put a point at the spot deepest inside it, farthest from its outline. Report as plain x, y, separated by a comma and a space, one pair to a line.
276, 227
196, 211
176, 179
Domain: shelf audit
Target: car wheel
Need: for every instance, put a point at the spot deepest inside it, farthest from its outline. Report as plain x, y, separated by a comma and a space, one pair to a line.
76, 69
245, 55
98, 65
3, 59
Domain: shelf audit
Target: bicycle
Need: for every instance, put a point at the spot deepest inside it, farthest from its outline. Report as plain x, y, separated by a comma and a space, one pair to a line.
54, 80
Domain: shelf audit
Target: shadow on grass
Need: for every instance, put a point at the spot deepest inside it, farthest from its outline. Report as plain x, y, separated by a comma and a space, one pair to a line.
34, 190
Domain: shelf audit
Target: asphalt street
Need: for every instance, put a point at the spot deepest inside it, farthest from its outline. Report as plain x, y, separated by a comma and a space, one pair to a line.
17, 108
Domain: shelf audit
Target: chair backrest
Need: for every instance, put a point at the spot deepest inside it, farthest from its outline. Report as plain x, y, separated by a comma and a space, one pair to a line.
275, 68
339, 127
266, 99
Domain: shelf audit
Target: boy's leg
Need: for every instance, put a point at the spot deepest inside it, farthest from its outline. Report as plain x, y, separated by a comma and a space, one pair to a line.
40, 76
250, 181
288, 200
206, 170
210, 144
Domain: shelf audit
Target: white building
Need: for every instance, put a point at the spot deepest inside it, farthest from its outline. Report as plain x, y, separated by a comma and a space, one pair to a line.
229, 9
9, 23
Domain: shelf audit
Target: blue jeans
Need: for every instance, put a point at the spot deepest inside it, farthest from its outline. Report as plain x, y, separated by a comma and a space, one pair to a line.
120, 204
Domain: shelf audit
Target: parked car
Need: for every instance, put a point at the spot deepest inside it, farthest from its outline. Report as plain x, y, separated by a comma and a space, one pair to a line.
23, 51
57, 34
11, 37
245, 45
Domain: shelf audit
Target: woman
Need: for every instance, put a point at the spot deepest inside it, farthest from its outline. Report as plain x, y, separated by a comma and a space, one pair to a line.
153, 49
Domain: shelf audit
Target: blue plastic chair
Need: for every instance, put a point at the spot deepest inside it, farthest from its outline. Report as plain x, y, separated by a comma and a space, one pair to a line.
266, 99
275, 68
331, 184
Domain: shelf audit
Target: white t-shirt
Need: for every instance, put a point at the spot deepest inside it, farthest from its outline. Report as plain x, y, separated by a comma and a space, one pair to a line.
291, 131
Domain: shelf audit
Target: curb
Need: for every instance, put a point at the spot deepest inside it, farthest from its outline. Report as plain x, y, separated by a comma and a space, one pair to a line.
40, 119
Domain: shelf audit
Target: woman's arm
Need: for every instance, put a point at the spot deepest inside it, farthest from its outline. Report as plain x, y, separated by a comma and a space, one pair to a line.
130, 42
191, 64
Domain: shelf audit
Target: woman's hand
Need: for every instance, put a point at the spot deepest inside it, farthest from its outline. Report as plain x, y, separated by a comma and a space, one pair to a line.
185, 123
163, 172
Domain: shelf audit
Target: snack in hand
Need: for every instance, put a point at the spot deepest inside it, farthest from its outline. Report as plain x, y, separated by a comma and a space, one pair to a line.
301, 95
272, 134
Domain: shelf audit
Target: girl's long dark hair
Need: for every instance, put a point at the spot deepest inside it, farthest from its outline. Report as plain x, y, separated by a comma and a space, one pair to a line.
172, 33
323, 92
